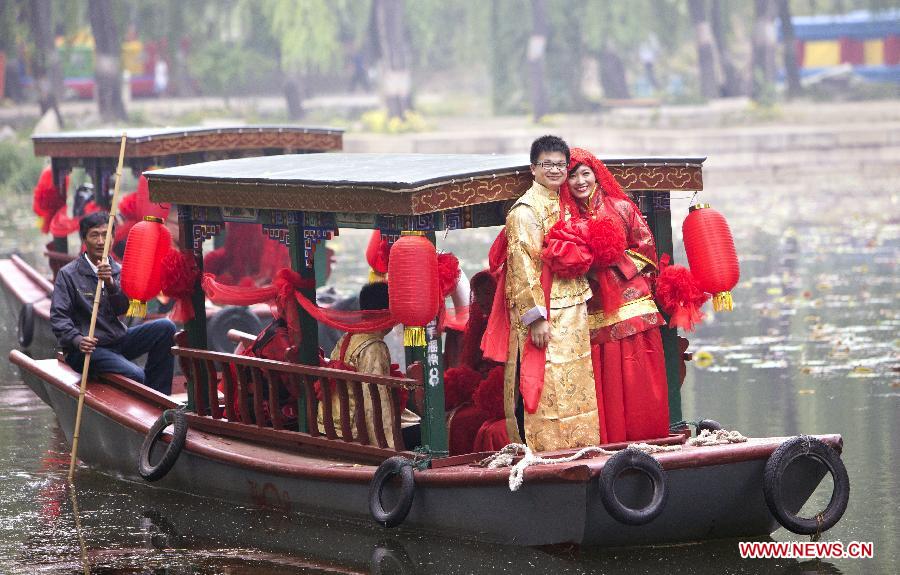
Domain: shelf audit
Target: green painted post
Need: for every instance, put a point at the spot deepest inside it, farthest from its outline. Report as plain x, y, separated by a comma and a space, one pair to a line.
309, 328
659, 218
434, 426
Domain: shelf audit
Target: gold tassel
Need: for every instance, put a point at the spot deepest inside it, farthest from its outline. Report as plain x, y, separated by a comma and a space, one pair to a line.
413, 336
136, 308
722, 301
376, 276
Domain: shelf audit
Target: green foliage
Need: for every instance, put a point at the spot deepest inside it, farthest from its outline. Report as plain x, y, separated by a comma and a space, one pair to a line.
433, 47
19, 168
510, 26
307, 31
224, 68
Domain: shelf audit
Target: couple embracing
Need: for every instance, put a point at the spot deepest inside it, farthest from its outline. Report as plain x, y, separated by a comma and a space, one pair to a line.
584, 356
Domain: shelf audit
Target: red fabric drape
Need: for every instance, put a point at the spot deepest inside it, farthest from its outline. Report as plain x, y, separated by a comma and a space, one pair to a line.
534, 359
495, 343
283, 289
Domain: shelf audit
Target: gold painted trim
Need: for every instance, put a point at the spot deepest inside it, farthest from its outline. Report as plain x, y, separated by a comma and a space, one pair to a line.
634, 308
639, 258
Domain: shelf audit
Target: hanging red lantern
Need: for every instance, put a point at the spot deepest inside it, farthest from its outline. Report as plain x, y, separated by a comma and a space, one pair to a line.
414, 289
148, 243
711, 254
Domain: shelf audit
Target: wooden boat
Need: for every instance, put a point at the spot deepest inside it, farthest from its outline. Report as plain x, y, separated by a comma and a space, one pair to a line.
233, 451
96, 151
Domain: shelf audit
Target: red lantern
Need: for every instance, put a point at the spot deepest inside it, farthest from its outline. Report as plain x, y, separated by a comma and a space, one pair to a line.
414, 289
148, 243
711, 254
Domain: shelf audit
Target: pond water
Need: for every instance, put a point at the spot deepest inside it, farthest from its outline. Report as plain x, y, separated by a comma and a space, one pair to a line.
812, 347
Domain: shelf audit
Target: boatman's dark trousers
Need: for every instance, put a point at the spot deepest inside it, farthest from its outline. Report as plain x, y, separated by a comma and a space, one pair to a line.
155, 338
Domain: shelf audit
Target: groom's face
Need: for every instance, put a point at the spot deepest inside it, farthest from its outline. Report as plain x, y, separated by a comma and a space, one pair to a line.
550, 170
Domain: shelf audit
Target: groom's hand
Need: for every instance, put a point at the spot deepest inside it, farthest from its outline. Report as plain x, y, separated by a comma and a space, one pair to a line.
540, 333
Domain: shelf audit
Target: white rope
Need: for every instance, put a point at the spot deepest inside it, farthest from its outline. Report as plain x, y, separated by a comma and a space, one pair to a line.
718, 437
506, 456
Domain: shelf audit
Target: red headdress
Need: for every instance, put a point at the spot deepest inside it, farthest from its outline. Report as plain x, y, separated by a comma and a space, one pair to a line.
607, 182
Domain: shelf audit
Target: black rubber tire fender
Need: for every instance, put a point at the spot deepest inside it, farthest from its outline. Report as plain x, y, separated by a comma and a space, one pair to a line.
708, 424
640, 461
25, 333
389, 468
165, 464
773, 476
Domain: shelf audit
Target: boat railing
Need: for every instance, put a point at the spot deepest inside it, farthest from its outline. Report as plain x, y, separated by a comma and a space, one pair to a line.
252, 387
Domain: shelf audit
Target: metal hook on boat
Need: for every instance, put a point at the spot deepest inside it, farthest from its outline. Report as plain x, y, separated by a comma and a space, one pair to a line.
798, 448
632, 459
152, 472
388, 469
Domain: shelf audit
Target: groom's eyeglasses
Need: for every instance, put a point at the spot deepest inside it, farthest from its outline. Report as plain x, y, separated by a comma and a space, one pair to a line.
547, 165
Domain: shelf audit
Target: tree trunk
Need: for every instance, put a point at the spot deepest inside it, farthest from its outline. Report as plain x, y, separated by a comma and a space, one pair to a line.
706, 51
733, 83
537, 48
45, 61
107, 64
394, 47
791, 70
612, 74
175, 26
763, 49
293, 97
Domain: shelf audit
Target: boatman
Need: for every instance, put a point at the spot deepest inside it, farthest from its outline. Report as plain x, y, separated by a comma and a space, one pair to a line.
113, 345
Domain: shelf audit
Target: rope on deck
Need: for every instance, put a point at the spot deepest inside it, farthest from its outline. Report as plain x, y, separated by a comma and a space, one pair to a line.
718, 437
506, 456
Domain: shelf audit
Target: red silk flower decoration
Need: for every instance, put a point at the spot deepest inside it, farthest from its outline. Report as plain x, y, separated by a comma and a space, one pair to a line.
680, 297
413, 286
607, 241
459, 385
178, 277
489, 395
47, 200
448, 272
566, 249
148, 242
711, 254
378, 253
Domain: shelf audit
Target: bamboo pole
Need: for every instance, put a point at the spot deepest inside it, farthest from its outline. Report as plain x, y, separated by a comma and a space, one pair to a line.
87, 358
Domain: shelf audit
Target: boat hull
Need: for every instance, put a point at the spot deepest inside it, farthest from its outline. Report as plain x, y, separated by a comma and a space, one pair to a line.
714, 493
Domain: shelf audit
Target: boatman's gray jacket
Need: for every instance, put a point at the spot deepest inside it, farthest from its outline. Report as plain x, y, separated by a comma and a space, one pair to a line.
73, 301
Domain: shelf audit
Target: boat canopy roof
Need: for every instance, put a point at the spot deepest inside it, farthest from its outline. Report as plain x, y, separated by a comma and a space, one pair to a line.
157, 142
386, 184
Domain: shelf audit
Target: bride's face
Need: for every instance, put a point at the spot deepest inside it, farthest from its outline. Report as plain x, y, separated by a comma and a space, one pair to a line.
581, 182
